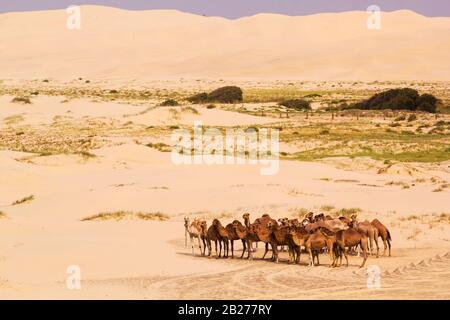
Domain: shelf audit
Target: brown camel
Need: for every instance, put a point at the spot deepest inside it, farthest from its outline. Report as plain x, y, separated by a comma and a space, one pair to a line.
232, 235
213, 235
242, 233
384, 233
257, 231
194, 231
204, 235
296, 238
277, 237
347, 239
223, 236
317, 241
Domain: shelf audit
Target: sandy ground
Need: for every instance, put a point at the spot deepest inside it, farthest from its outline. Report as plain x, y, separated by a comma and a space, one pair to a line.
140, 259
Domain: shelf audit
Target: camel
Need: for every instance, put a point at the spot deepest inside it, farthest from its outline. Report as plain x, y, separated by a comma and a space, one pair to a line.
223, 236
384, 233
277, 237
186, 226
334, 225
241, 232
348, 239
246, 217
232, 235
194, 231
317, 241
296, 238
213, 235
204, 235
257, 231
370, 231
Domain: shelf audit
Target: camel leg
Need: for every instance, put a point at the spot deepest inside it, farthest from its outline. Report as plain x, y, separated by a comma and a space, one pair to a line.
185, 238
317, 257
192, 245
199, 245
250, 251
204, 246
244, 247
389, 244
364, 246
215, 245
385, 245
220, 248
346, 257
232, 249
274, 253
266, 250
311, 260
330, 252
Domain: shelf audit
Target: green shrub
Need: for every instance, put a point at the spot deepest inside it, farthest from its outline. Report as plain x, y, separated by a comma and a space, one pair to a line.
228, 94
297, 104
198, 98
399, 99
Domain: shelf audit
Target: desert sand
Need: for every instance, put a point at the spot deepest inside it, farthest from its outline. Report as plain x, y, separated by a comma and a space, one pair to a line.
79, 149
167, 44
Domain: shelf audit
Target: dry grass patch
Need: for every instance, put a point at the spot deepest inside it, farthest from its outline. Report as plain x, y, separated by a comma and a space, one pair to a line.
23, 200
3, 215
127, 215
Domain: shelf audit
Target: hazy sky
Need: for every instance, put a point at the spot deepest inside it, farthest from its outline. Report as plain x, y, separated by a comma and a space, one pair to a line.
239, 8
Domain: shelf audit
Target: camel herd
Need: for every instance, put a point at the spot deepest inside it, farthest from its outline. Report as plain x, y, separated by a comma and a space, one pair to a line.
314, 234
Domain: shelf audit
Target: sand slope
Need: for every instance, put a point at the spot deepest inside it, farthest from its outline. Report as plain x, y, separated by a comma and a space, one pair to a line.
165, 44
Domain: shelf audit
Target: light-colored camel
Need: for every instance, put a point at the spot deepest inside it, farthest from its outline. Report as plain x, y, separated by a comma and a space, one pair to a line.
370, 231
194, 231
233, 235
384, 233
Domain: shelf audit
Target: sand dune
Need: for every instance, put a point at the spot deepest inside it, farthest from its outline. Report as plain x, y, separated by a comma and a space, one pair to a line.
171, 44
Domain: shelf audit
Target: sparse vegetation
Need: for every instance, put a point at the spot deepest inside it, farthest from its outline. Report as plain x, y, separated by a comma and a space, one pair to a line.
21, 99
3, 215
228, 94
127, 215
23, 200
296, 104
169, 103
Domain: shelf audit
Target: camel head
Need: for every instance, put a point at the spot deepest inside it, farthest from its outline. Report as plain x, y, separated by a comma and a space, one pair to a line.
309, 216
186, 221
353, 217
246, 216
294, 223
319, 217
271, 224
203, 225
236, 223
265, 215
216, 223
283, 221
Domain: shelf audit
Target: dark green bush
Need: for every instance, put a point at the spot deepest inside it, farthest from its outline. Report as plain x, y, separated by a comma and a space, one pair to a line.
297, 104
228, 94
399, 99
198, 98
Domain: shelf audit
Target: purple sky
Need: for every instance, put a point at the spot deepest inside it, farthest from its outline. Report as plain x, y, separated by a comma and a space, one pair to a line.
238, 8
